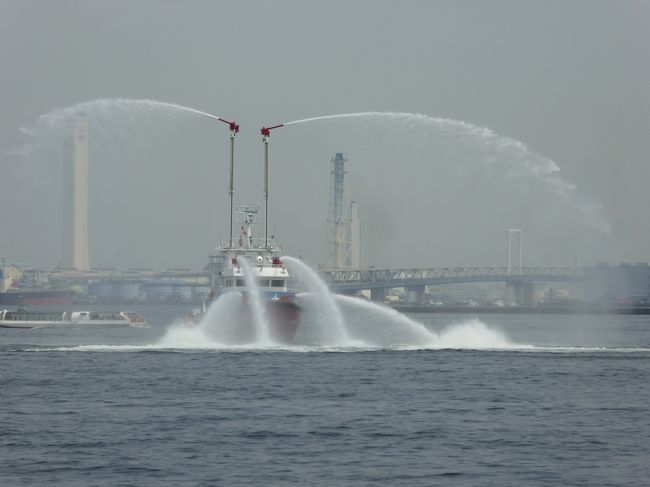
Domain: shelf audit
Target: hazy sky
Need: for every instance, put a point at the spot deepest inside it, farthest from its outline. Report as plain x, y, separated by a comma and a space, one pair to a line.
569, 79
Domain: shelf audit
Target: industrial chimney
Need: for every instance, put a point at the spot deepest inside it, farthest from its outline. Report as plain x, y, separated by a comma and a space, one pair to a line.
75, 197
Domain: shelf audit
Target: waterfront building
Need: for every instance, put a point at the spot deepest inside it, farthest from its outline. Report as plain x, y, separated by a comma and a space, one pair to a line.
622, 284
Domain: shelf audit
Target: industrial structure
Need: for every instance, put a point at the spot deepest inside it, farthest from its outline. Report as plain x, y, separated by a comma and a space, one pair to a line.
518, 291
514, 236
603, 285
75, 197
344, 221
625, 283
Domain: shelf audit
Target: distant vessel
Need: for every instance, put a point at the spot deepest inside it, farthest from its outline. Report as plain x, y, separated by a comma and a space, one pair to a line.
38, 319
282, 313
36, 297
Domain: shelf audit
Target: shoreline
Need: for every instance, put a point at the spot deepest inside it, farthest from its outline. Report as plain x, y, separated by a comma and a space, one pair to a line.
565, 310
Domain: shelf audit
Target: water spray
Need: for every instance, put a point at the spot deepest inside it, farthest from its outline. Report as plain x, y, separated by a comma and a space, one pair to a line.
261, 324
531, 165
331, 320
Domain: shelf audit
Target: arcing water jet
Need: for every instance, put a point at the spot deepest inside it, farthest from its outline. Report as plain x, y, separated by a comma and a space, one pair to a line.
383, 325
520, 162
330, 320
106, 113
262, 334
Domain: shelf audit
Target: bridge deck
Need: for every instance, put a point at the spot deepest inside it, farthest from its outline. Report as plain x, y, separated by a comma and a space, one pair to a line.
350, 280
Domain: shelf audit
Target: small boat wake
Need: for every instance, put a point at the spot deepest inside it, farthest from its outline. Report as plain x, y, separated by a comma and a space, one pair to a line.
362, 326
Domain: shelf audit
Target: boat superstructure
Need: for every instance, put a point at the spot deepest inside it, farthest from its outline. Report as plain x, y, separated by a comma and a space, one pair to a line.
264, 260
271, 278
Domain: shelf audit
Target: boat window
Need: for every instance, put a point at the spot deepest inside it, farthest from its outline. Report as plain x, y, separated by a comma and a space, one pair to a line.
263, 283
277, 283
31, 316
240, 283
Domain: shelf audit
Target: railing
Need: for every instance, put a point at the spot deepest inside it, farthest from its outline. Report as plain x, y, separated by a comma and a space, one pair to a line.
363, 277
243, 243
498, 273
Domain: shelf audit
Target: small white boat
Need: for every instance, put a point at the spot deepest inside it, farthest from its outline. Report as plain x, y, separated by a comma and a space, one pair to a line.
38, 319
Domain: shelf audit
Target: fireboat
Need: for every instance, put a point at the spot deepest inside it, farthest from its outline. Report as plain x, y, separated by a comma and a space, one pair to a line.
262, 257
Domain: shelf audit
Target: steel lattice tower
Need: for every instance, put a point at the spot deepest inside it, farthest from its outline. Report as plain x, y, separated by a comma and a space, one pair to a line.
343, 218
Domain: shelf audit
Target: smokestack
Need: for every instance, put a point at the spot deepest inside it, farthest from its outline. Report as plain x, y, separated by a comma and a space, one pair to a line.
80, 239
75, 188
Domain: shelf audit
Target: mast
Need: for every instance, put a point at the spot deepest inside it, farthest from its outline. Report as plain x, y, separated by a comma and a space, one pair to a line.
231, 188
265, 139
266, 134
234, 128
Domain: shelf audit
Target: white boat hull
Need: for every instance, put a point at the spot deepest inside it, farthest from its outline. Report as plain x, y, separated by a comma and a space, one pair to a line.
48, 324
20, 319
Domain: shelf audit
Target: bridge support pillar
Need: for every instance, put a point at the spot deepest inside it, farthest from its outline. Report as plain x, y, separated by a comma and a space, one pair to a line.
415, 295
521, 292
378, 294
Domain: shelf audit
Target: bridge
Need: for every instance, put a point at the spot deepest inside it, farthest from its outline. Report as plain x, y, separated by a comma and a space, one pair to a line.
415, 280
377, 281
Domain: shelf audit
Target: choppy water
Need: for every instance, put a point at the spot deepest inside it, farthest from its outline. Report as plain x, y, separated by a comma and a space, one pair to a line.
504, 400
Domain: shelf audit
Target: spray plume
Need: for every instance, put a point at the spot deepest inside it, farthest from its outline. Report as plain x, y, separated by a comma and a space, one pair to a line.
521, 162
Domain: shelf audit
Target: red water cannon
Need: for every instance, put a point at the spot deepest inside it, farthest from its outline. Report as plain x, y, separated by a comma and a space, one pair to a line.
233, 126
266, 131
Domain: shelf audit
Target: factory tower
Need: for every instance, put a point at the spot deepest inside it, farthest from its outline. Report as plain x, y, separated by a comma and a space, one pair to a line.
75, 197
343, 219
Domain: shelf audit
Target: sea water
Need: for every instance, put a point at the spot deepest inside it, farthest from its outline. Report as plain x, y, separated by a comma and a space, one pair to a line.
493, 400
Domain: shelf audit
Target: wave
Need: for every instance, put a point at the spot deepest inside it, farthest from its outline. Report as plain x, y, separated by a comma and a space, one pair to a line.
330, 349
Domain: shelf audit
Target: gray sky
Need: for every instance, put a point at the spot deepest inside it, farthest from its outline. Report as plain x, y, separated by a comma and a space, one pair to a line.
568, 79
